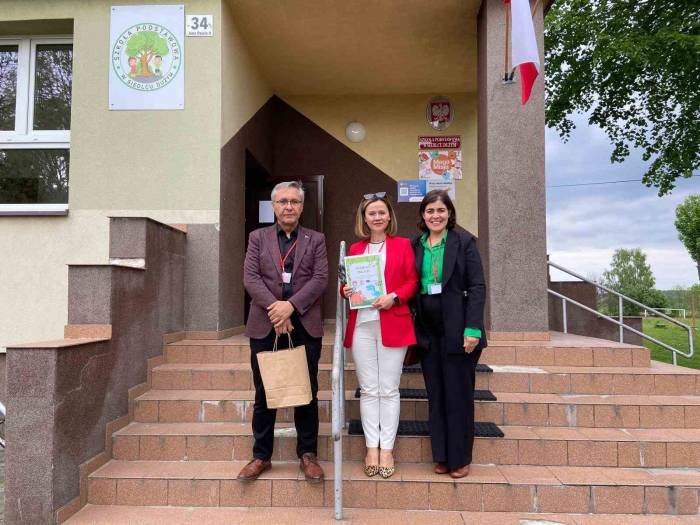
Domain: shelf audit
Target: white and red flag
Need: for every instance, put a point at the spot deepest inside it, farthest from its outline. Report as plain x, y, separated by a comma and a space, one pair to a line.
523, 46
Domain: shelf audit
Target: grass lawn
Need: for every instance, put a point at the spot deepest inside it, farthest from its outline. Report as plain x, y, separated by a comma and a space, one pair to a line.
672, 335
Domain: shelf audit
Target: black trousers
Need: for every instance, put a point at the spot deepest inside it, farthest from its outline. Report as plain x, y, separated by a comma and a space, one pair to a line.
449, 381
306, 416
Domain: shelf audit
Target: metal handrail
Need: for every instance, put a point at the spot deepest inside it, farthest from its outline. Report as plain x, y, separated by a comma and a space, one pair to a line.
3, 411
620, 321
338, 403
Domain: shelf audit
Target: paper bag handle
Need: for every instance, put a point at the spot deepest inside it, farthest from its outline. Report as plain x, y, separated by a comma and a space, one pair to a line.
289, 336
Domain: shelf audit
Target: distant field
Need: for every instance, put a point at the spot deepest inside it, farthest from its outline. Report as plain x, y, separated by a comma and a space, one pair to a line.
673, 335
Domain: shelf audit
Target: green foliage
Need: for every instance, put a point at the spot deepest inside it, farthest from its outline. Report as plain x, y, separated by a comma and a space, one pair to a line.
673, 335
688, 226
631, 275
634, 65
148, 43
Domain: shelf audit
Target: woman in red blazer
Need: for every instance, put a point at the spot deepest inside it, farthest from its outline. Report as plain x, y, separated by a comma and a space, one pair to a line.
380, 335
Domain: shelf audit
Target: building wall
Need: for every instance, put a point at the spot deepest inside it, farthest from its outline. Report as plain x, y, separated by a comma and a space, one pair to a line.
244, 90
245, 127
393, 124
178, 183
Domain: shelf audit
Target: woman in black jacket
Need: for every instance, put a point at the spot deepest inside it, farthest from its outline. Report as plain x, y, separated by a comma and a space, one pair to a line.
450, 329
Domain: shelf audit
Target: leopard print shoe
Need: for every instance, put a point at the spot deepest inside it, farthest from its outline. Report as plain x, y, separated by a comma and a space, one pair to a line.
371, 470
386, 472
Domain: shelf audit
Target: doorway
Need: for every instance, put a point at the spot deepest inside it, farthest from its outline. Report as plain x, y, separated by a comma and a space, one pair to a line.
258, 206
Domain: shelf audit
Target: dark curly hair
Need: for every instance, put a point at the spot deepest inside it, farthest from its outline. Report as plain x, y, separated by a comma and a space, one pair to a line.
434, 196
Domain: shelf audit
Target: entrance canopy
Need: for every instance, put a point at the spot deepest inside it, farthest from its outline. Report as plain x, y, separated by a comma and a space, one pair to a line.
336, 47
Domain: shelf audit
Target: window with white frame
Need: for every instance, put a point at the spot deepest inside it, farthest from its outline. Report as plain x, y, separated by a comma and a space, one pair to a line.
36, 77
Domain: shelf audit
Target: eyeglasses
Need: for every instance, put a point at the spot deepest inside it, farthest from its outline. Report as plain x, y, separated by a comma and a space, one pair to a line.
371, 196
286, 202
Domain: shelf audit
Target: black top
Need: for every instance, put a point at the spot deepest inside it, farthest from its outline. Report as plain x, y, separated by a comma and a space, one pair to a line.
285, 244
463, 293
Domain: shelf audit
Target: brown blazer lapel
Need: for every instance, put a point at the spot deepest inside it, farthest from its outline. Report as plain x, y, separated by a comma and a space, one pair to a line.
272, 249
303, 240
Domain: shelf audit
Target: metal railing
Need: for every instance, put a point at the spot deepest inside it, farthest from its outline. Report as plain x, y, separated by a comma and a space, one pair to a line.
3, 411
338, 403
620, 320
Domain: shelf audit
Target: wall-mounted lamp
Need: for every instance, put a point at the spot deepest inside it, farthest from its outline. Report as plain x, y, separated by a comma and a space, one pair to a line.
355, 132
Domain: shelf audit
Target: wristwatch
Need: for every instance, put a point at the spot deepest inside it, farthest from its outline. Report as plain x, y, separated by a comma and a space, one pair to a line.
396, 297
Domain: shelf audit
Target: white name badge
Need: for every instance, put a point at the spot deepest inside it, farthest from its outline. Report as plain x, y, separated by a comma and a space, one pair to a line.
286, 277
435, 289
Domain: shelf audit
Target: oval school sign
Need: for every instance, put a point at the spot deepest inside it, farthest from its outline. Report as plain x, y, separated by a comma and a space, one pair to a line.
146, 56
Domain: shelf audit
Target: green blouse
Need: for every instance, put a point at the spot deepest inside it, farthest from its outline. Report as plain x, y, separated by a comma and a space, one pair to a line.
431, 271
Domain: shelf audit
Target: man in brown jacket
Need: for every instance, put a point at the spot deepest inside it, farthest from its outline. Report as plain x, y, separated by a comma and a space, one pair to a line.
285, 274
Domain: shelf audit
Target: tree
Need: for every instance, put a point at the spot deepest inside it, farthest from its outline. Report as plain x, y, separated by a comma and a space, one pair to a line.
631, 275
633, 65
143, 46
688, 226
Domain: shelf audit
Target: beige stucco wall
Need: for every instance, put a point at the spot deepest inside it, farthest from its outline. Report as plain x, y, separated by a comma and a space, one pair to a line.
393, 124
177, 183
243, 88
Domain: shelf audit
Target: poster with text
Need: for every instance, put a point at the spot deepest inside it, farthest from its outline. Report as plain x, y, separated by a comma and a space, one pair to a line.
146, 57
447, 185
445, 164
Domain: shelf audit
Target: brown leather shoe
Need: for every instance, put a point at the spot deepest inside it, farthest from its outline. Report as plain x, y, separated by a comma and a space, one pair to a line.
460, 472
253, 469
308, 463
440, 468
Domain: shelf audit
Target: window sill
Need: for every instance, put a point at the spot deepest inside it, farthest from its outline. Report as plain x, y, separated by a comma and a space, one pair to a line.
25, 210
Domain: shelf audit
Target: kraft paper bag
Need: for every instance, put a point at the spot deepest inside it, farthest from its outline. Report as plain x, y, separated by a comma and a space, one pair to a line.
285, 376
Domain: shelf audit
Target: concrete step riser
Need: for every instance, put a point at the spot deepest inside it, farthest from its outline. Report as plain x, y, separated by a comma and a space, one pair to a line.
553, 356
627, 499
539, 383
589, 383
186, 411
499, 355
579, 414
510, 413
409, 449
199, 354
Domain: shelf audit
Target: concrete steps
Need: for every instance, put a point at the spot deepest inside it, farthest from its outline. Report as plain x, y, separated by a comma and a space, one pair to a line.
660, 378
488, 488
560, 350
594, 432
559, 410
134, 515
522, 445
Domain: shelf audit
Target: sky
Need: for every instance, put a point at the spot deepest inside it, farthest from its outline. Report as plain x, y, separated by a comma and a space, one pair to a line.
586, 224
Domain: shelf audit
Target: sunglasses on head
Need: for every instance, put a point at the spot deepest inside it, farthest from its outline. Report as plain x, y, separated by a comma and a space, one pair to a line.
371, 196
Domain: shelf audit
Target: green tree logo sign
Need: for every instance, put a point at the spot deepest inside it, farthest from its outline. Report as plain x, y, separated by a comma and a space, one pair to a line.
146, 57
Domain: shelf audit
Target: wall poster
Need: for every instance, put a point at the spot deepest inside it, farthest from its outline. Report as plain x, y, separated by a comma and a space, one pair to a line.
441, 164
146, 57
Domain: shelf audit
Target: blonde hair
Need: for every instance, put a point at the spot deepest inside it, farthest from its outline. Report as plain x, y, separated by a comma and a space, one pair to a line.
361, 228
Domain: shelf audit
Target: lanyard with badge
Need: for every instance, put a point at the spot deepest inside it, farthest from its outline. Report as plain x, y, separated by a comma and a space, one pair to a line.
435, 288
287, 276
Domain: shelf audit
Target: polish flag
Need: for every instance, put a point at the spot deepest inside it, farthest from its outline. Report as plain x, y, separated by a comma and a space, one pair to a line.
523, 46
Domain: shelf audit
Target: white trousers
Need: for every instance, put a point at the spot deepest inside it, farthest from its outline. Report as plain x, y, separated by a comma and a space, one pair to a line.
378, 371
